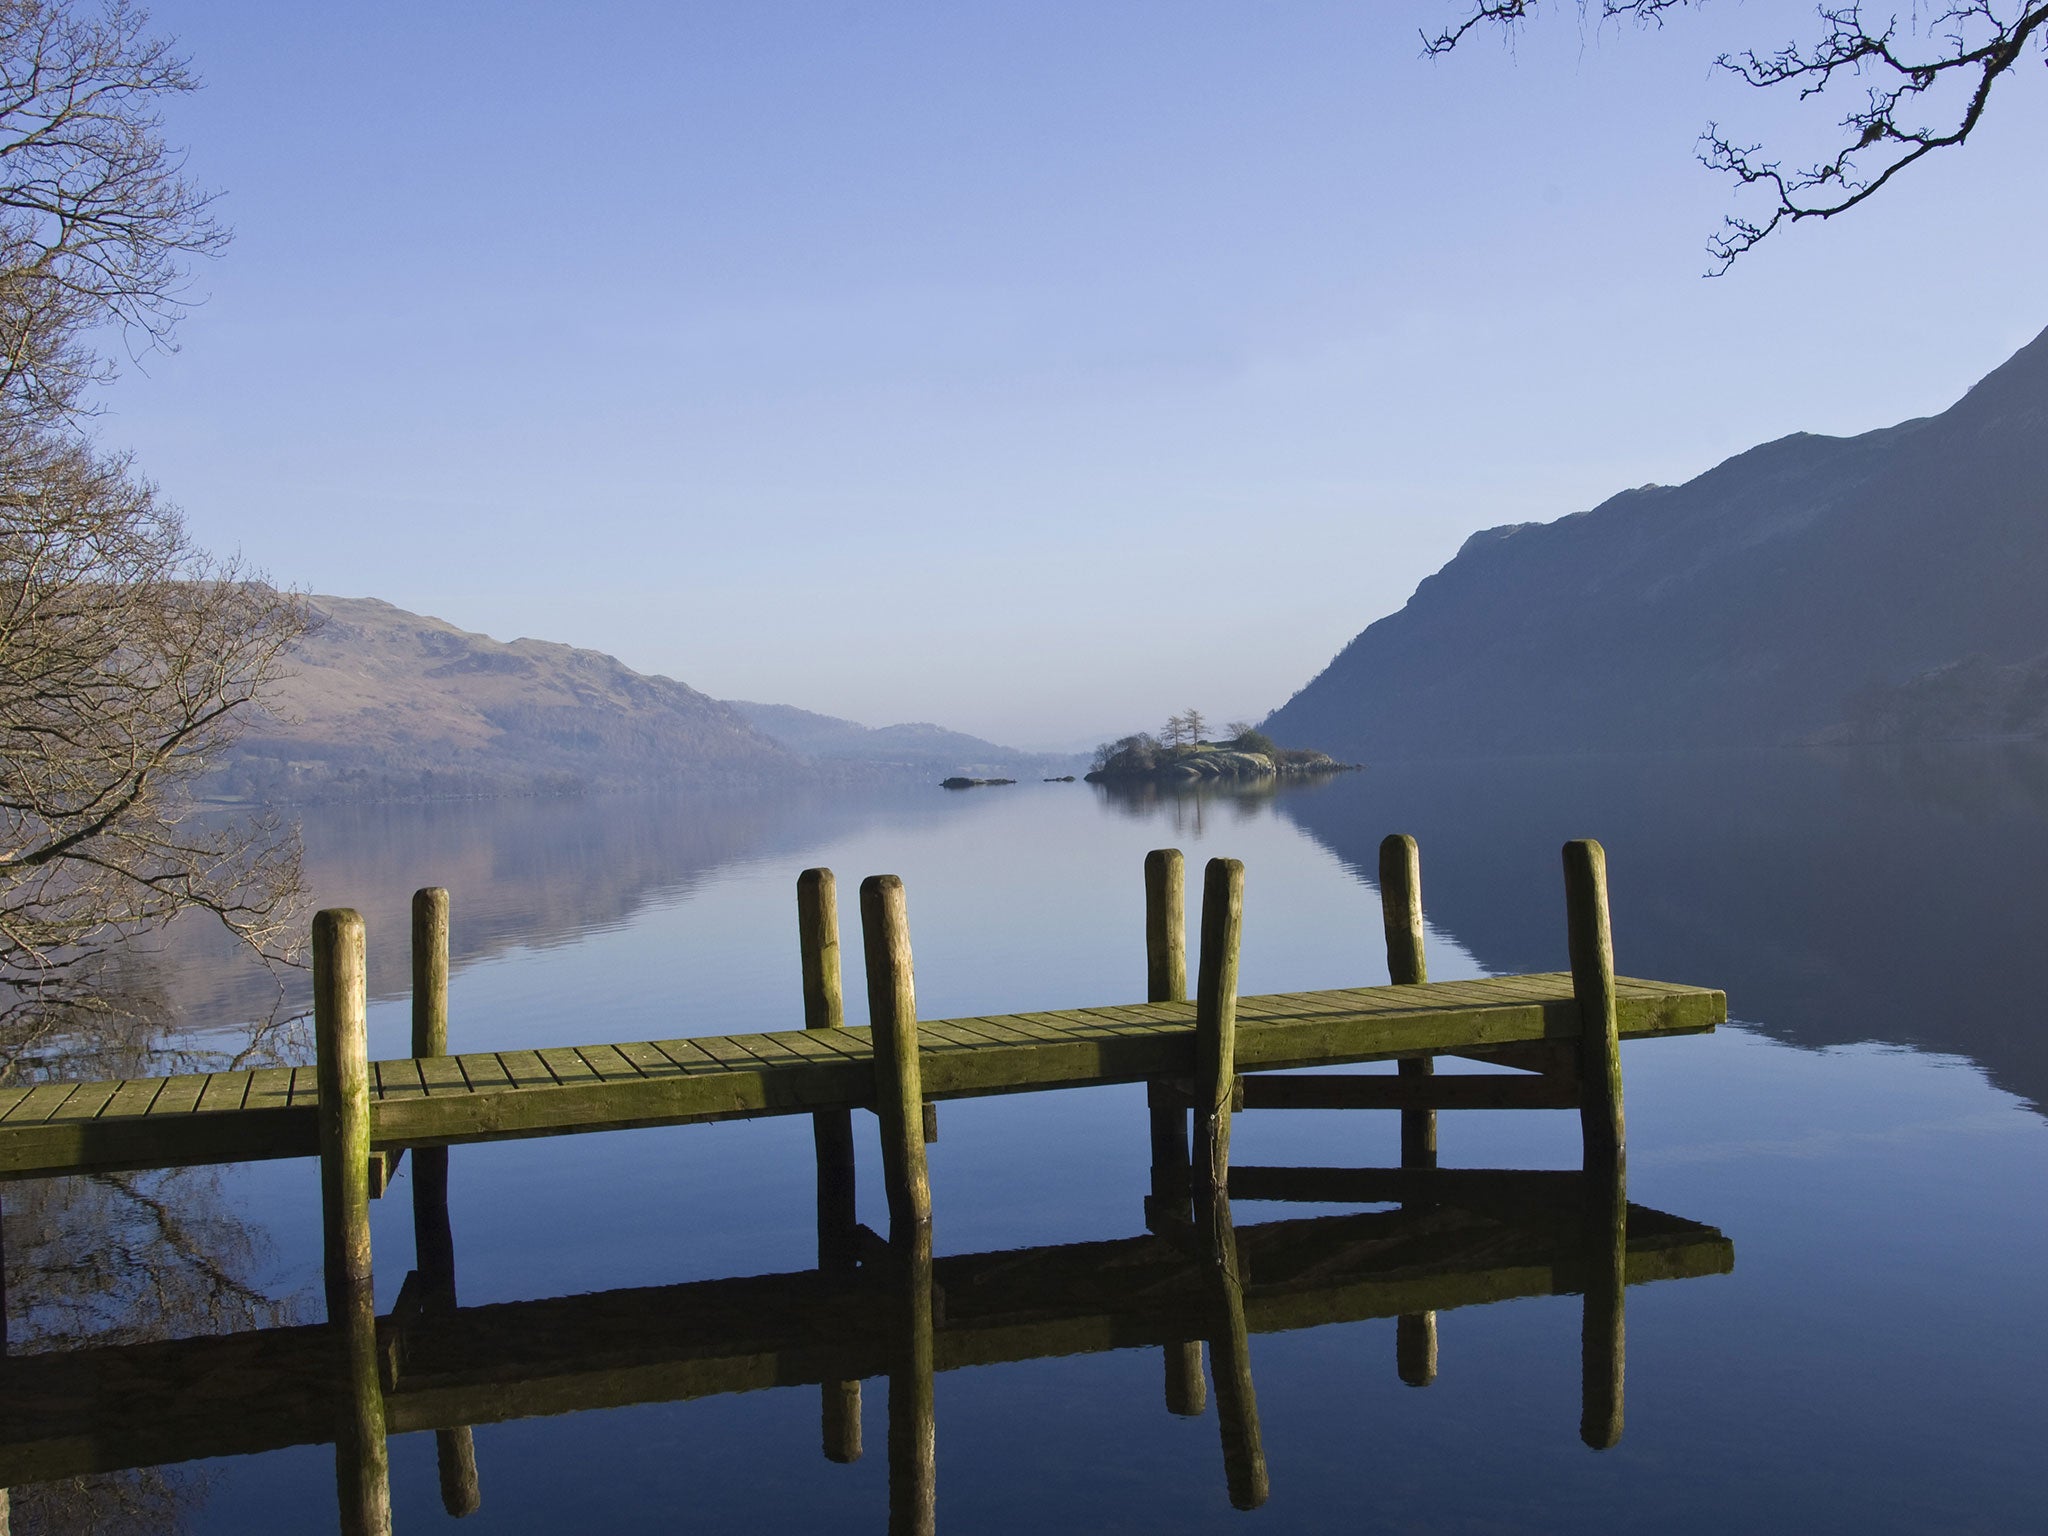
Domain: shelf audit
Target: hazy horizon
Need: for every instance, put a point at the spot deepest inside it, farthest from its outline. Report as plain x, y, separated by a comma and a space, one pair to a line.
1033, 371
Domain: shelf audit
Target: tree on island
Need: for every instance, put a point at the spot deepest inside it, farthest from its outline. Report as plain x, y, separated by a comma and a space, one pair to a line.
1926, 86
128, 659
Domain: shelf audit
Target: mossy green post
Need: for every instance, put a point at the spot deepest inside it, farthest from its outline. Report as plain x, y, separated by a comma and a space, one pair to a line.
1401, 916
817, 912
1415, 1340
432, 1232
342, 1067
1601, 1129
1603, 1135
1237, 1404
1603, 1332
913, 1424
899, 1083
1166, 981
1216, 1024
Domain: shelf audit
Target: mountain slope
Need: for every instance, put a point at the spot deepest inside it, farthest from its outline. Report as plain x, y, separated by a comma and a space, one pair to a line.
921, 747
1749, 605
382, 704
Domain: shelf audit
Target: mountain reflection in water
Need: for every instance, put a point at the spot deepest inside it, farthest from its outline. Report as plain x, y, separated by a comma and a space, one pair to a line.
1837, 897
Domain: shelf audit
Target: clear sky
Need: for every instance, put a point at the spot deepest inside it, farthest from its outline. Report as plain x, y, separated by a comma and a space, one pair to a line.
1037, 367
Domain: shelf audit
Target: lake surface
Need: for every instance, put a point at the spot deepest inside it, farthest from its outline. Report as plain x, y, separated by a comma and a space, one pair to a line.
1867, 1133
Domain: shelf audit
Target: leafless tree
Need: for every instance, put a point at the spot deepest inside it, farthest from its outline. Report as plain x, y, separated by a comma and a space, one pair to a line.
1926, 77
97, 219
126, 663
127, 659
1192, 721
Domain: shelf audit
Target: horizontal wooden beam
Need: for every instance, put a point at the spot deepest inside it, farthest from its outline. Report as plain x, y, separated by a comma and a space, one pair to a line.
1330, 1090
1536, 1194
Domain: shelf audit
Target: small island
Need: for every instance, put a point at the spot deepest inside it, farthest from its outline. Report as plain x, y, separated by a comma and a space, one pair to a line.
1178, 754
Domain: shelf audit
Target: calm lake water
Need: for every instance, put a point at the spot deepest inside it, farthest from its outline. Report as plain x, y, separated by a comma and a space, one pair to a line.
1867, 1134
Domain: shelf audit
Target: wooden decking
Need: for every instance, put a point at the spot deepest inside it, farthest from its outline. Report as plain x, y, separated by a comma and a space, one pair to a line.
78, 1127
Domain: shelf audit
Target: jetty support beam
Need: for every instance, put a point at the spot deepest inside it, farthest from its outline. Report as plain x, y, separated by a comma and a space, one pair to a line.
899, 1079
1166, 1108
342, 1068
1216, 1025
817, 910
1401, 917
433, 1235
1604, 1141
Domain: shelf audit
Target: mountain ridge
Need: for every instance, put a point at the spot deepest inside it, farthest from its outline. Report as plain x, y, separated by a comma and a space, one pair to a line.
1747, 606
379, 703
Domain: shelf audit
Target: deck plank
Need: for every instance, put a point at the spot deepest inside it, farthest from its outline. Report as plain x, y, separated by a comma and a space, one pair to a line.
610, 1063
42, 1101
397, 1079
689, 1055
650, 1061
526, 1069
442, 1075
180, 1095
269, 1088
88, 1102
568, 1067
134, 1097
224, 1091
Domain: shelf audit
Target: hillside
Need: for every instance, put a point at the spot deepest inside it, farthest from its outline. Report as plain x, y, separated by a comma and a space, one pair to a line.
915, 749
385, 704
1763, 602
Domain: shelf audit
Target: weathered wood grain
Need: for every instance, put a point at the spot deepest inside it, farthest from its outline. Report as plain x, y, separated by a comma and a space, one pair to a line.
341, 1040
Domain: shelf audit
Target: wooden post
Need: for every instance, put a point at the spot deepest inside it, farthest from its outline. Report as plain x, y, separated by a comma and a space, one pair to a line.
1401, 915
1407, 966
1603, 1333
1415, 1348
342, 1057
1166, 945
341, 1044
1216, 1024
1187, 1395
430, 971
1592, 950
1237, 1404
899, 1079
913, 1429
817, 914
1166, 981
433, 1235
1603, 1137
362, 1460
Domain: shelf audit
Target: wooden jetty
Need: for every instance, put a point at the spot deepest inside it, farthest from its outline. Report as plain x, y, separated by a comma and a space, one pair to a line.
1203, 1059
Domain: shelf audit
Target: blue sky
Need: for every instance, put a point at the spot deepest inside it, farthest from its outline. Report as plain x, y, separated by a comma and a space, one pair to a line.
1036, 368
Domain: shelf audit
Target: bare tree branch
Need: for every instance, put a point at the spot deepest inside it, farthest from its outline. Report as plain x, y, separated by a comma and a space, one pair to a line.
1926, 79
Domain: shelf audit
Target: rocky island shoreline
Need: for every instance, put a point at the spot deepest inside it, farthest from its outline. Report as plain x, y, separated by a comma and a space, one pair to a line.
1247, 755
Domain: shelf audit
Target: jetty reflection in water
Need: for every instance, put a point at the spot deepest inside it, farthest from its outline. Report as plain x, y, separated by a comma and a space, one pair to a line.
1460, 1238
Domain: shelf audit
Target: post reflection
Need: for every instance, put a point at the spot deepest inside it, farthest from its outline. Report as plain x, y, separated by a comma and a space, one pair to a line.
892, 1311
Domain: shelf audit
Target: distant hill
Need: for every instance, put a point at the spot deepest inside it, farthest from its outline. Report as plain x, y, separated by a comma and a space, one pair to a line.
385, 704
1767, 601
914, 749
